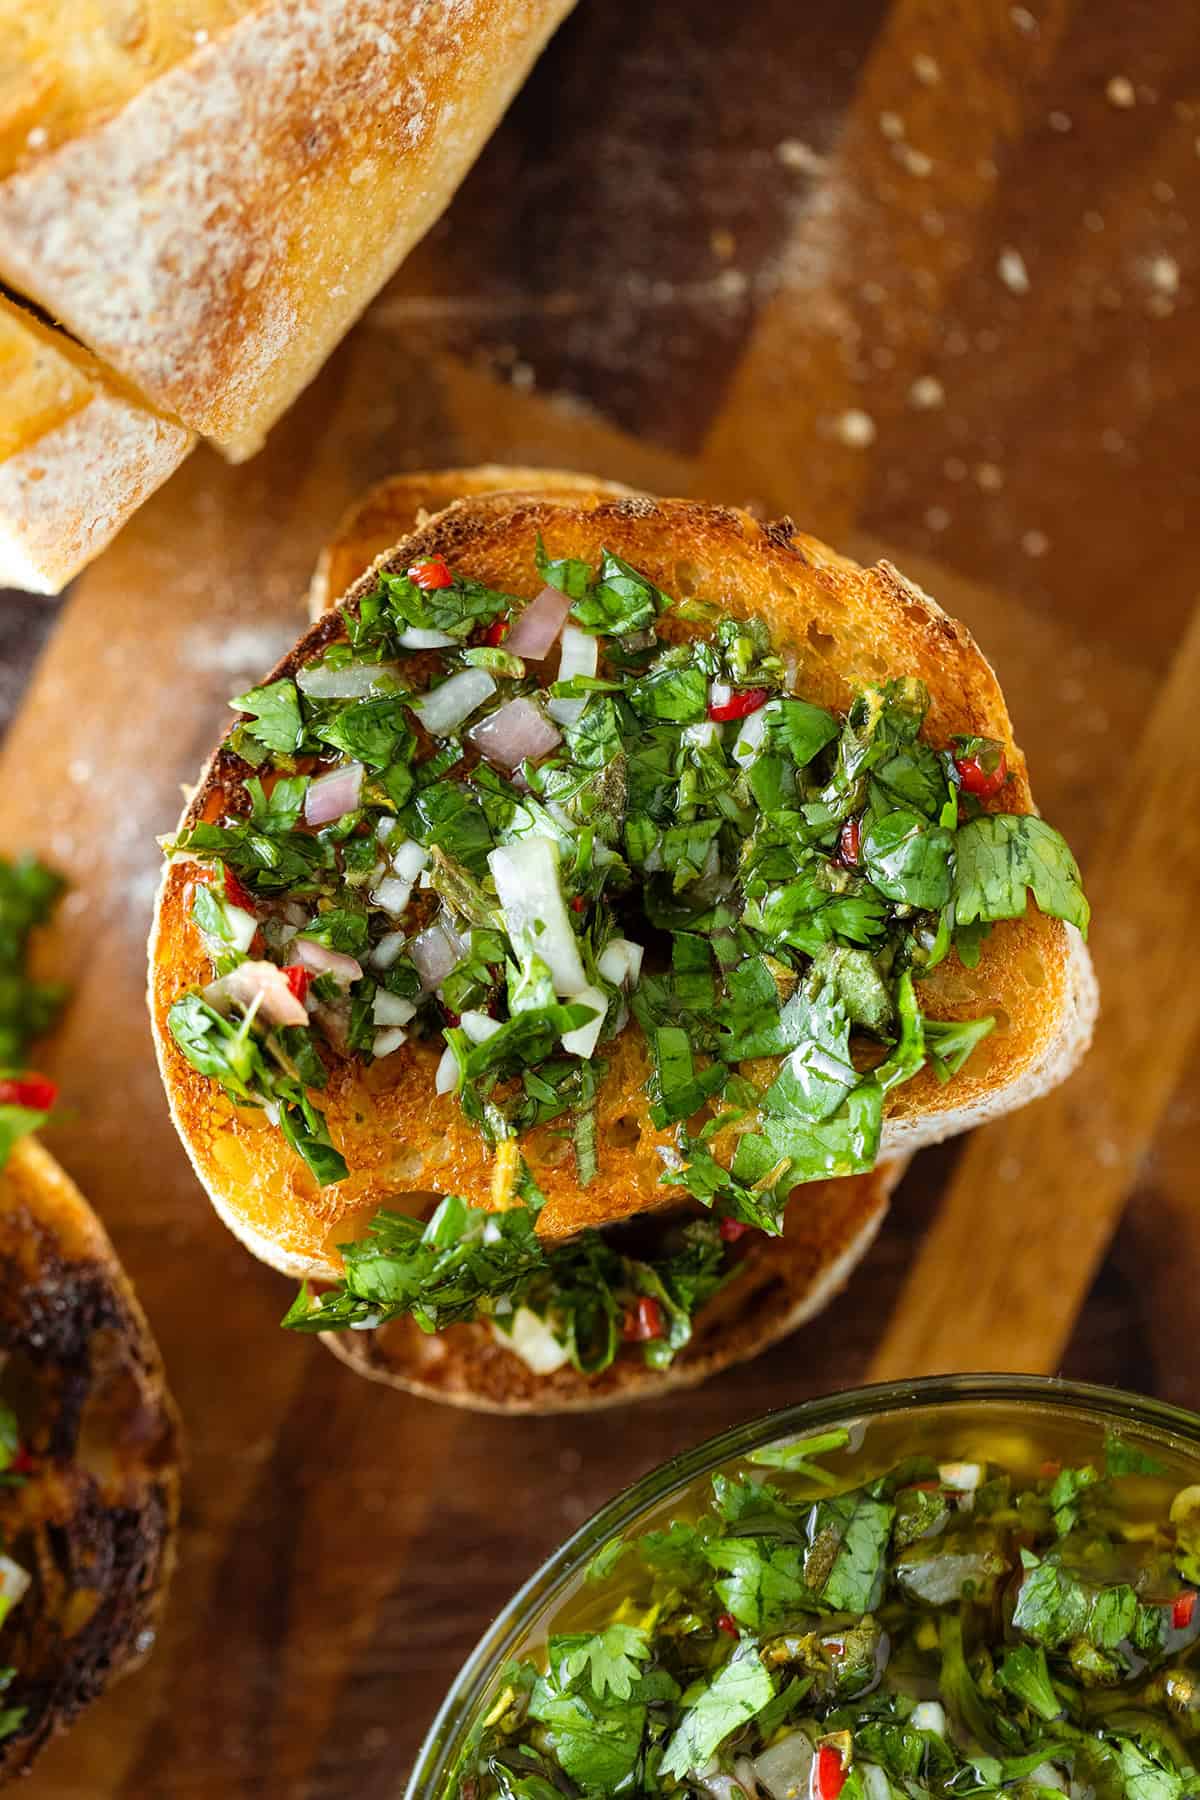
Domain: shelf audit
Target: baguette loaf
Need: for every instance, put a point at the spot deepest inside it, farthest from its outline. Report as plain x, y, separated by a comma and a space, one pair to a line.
94, 1521
216, 210
78, 454
847, 627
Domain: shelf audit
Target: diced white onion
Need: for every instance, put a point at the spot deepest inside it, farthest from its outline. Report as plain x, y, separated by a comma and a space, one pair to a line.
433, 955
351, 682
446, 1079
534, 632
386, 827
261, 986
534, 911
929, 1715
408, 859
323, 961
391, 1009
580, 655
421, 637
533, 1341
393, 894
786, 1768
14, 1583
620, 962
1047, 1776
703, 735
385, 1042
443, 709
582, 1041
719, 693
242, 926
516, 732
478, 1026
331, 796
876, 1785
387, 950
749, 740
965, 1477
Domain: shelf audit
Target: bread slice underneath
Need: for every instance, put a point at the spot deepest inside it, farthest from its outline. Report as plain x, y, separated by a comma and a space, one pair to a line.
847, 626
780, 1283
95, 1521
78, 454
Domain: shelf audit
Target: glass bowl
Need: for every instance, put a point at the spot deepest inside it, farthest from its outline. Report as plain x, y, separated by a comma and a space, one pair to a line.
955, 1416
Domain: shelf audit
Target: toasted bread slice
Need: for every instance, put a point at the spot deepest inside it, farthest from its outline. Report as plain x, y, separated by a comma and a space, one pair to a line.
78, 454
779, 1284
94, 1522
208, 193
847, 626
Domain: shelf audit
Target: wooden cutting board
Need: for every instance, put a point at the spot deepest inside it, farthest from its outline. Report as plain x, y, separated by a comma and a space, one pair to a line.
919, 276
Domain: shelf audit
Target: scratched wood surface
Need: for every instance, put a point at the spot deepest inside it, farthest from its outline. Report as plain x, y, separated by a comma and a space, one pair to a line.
924, 275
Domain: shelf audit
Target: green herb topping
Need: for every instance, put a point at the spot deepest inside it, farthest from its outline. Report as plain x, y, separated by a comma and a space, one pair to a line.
517, 830
29, 892
939, 1629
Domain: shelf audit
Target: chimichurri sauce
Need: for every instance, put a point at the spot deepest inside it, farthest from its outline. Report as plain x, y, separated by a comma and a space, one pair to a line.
949, 1610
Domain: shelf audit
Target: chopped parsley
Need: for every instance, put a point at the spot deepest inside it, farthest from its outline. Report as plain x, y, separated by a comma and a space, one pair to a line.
774, 1641
29, 892
520, 862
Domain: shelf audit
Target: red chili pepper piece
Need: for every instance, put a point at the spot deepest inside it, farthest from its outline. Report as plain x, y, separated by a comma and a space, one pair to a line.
850, 843
495, 634
298, 978
830, 1773
977, 780
237, 895
33, 1091
451, 1018
740, 705
1184, 1607
731, 1230
643, 1321
22, 1463
727, 1622
578, 903
1050, 1468
925, 1487
431, 574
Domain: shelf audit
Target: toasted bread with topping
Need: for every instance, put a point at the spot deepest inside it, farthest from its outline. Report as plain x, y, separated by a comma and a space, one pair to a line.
94, 1520
847, 627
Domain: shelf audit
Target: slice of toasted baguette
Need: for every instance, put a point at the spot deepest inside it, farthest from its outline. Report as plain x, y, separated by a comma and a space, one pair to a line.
78, 454
94, 1523
780, 1283
213, 225
847, 626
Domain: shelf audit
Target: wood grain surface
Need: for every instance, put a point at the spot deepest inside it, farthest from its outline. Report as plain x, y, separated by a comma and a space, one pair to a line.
923, 275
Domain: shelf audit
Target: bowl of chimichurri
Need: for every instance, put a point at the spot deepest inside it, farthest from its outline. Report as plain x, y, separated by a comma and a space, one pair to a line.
956, 1587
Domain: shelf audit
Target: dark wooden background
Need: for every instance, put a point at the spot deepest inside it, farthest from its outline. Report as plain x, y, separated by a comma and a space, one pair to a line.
924, 275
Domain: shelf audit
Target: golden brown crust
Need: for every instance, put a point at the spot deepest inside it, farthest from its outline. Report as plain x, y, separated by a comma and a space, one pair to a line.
79, 452
95, 1521
780, 1283
218, 233
847, 626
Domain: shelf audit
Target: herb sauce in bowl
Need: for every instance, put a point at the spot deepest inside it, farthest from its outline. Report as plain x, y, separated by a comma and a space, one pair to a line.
953, 1600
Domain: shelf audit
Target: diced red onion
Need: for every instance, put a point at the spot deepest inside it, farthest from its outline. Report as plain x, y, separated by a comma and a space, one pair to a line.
580, 656
443, 709
351, 682
332, 796
433, 956
538, 626
323, 961
518, 732
334, 1019
260, 985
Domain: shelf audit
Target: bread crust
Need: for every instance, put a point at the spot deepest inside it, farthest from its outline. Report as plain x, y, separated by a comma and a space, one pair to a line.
780, 1283
95, 1522
216, 236
79, 453
848, 626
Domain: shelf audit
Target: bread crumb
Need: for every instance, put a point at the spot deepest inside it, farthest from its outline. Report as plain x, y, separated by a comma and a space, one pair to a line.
1023, 19
937, 518
1093, 221
855, 428
796, 155
915, 161
1120, 92
989, 476
926, 393
1034, 543
1012, 271
523, 377
954, 468
926, 69
1112, 440
37, 138
1059, 121
891, 125
1162, 272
